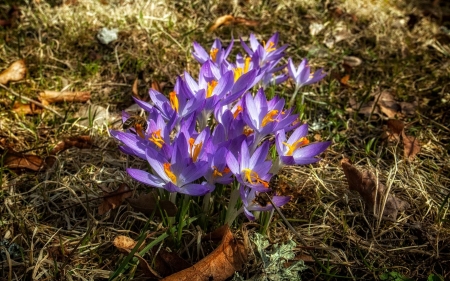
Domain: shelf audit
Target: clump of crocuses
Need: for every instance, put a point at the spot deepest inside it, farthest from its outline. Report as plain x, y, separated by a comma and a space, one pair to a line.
214, 130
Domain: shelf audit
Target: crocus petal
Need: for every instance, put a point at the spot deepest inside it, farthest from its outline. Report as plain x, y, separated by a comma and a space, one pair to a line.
311, 150
146, 178
196, 189
233, 164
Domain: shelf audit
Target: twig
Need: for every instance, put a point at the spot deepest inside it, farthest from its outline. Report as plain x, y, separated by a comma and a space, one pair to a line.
30, 100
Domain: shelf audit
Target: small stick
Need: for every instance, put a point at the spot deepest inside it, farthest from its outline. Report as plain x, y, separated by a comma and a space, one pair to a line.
30, 100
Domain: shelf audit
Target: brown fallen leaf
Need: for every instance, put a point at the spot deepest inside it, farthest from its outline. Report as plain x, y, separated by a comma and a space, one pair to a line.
394, 129
344, 80
352, 61
134, 89
372, 191
156, 86
112, 200
223, 20
15, 72
147, 204
126, 244
411, 146
167, 263
388, 105
220, 265
81, 142
17, 160
27, 108
66, 96
246, 22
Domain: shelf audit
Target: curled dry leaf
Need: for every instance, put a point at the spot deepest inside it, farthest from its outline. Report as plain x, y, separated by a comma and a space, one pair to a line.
15, 72
134, 89
394, 129
112, 200
27, 108
66, 96
352, 61
147, 204
16, 160
223, 20
246, 22
220, 265
372, 191
411, 146
229, 19
126, 244
74, 141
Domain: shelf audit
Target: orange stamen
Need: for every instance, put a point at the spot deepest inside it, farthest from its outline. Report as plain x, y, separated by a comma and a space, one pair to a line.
211, 86
213, 54
156, 138
269, 117
237, 111
299, 143
169, 173
269, 47
174, 101
195, 149
253, 178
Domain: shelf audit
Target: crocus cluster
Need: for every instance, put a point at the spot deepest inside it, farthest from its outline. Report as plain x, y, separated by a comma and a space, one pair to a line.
217, 129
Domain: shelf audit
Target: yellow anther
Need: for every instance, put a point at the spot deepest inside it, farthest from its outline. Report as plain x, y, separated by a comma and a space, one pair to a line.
169, 173
269, 117
253, 178
247, 64
269, 47
213, 54
238, 71
195, 149
237, 111
174, 101
156, 138
211, 86
299, 143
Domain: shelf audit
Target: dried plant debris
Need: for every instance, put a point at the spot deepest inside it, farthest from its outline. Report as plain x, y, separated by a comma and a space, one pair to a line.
385, 104
229, 19
411, 146
15, 72
220, 265
48, 97
275, 261
373, 192
81, 142
17, 160
112, 200
125, 244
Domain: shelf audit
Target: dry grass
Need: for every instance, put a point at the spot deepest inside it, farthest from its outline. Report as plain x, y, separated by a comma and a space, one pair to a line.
53, 216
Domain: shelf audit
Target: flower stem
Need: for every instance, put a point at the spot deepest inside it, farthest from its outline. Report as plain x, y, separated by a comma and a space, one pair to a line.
294, 95
231, 210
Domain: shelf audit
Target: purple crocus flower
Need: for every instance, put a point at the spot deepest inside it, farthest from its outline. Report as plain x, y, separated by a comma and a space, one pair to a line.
265, 117
217, 54
252, 171
302, 75
176, 175
266, 52
296, 149
251, 203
